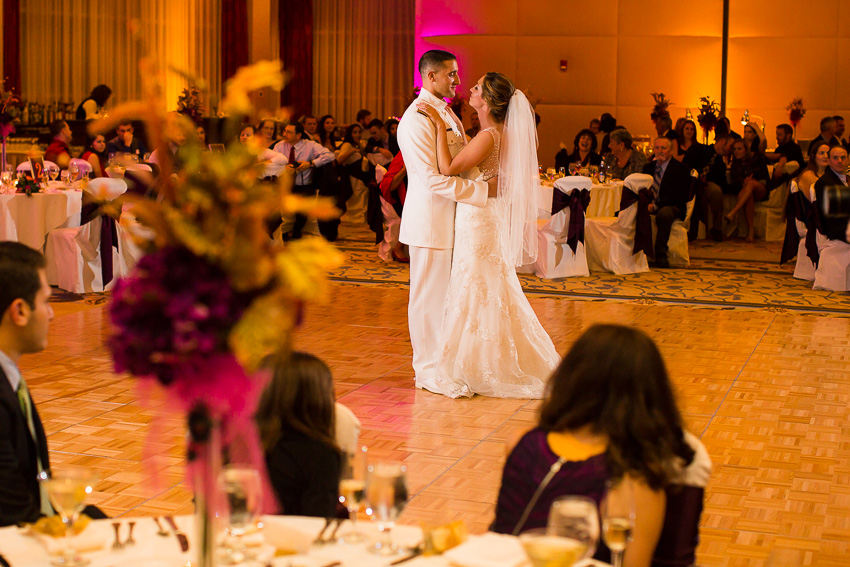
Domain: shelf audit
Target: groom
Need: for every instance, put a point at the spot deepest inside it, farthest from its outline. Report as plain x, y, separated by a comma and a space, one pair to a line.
427, 222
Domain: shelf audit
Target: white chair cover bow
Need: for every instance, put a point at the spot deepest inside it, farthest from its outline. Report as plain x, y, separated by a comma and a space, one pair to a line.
555, 258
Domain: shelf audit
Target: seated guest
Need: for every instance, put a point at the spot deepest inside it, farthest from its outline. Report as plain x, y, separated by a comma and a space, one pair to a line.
623, 160
714, 183
839, 132
92, 106
584, 151
691, 152
815, 168
201, 132
125, 142
753, 137
671, 189
392, 136
786, 148
311, 127
327, 132
248, 136
58, 151
95, 154
834, 175
296, 419
594, 126
264, 133
609, 414
724, 127
350, 157
25, 316
476, 124
378, 142
664, 128
827, 133
607, 124
393, 194
748, 177
364, 118
175, 138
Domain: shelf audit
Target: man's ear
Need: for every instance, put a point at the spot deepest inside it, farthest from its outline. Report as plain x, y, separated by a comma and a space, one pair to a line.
19, 312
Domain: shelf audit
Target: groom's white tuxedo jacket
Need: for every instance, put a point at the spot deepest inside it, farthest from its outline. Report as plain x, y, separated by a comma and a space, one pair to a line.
428, 219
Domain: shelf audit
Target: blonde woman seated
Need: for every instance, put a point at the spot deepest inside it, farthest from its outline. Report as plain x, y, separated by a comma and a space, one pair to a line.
609, 414
273, 160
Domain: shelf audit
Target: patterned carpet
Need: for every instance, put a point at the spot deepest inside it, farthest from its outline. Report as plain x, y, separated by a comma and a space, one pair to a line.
748, 277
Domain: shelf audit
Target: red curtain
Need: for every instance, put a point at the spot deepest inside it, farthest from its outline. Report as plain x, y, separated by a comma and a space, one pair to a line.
12, 45
295, 25
234, 36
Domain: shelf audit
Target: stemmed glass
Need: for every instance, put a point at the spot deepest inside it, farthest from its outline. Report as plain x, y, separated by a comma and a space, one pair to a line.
352, 488
243, 491
74, 171
66, 178
53, 173
574, 167
593, 171
618, 518
575, 518
6, 180
544, 549
562, 172
67, 490
386, 492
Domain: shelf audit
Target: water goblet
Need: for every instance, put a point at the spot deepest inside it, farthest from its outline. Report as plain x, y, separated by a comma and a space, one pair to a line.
574, 167
66, 178
575, 518
593, 171
74, 171
618, 518
68, 490
352, 488
111, 159
243, 491
52, 173
545, 549
562, 172
386, 492
550, 174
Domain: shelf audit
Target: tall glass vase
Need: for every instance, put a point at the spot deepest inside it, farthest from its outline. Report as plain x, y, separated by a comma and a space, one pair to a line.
205, 450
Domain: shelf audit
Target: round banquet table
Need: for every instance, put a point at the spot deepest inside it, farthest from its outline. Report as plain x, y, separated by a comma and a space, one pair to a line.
288, 537
604, 199
29, 219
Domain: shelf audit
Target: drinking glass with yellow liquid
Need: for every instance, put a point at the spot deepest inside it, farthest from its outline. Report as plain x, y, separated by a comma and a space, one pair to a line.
545, 549
575, 518
618, 518
352, 489
68, 490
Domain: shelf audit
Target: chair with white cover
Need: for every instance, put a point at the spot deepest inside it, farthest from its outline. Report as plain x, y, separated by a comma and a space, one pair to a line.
75, 256
83, 167
833, 269
611, 242
561, 249
26, 166
678, 253
797, 239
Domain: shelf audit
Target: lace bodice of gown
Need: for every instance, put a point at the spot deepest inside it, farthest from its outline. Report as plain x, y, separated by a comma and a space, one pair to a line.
490, 166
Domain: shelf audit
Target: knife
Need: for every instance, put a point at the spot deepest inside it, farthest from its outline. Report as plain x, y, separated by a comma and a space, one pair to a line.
181, 537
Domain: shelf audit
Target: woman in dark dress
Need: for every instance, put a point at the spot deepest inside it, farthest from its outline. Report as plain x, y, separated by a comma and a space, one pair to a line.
296, 421
691, 152
609, 413
584, 151
748, 180
327, 132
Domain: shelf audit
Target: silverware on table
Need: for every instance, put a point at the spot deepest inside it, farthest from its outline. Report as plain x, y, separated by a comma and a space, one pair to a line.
130, 540
117, 545
320, 538
413, 553
162, 532
332, 537
181, 537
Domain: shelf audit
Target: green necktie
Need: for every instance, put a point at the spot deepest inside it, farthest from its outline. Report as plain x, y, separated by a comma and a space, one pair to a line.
26, 407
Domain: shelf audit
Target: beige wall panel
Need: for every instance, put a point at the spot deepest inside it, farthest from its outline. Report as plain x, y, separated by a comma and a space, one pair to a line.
671, 17
842, 65
783, 18
450, 17
769, 72
561, 123
572, 18
683, 68
476, 55
591, 75
844, 18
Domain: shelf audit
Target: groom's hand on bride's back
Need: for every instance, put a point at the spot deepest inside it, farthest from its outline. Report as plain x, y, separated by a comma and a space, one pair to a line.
493, 186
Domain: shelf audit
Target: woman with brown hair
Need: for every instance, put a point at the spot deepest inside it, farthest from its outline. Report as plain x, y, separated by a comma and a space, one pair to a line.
818, 162
609, 413
296, 419
748, 180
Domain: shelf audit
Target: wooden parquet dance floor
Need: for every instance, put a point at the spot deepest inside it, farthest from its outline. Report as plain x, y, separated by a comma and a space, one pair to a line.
768, 392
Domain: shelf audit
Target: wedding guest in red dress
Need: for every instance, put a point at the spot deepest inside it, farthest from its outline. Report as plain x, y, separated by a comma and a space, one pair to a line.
96, 155
58, 151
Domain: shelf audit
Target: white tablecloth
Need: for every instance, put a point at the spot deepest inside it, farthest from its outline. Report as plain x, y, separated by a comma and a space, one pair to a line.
604, 200
151, 550
29, 219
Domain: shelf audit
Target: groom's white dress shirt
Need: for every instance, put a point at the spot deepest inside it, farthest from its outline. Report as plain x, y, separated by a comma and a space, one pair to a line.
428, 224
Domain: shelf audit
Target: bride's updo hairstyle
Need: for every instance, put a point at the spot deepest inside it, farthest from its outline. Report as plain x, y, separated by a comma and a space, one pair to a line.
497, 90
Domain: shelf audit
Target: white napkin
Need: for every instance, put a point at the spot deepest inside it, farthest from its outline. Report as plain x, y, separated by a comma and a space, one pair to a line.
90, 539
488, 550
283, 535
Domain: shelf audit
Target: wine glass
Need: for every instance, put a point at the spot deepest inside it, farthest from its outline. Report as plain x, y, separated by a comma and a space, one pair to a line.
545, 549
52, 172
550, 174
593, 171
562, 172
111, 159
243, 490
66, 178
575, 518
386, 492
352, 487
67, 490
574, 167
618, 518
74, 171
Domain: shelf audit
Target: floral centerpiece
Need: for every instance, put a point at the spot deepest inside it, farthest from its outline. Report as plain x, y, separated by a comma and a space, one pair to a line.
796, 112
709, 114
10, 111
660, 109
191, 104
213, 295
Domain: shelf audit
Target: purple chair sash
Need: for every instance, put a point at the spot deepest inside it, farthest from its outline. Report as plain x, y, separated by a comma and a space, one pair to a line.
814, 226
797, 209
578, 200
643, 222
108, 238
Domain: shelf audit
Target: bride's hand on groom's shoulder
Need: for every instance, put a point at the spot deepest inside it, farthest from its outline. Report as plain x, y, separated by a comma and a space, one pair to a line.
429, 111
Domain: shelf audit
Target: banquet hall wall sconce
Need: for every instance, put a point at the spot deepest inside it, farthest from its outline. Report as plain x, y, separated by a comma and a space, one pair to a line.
563, 65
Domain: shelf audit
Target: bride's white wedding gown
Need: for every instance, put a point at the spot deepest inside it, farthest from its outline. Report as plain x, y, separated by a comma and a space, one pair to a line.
491, 341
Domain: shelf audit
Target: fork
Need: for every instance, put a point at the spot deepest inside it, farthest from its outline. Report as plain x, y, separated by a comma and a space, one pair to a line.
117, 545
319, 539
130, 540
161, 531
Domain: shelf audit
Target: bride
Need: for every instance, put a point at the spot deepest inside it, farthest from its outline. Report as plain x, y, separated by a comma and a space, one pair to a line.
491, 341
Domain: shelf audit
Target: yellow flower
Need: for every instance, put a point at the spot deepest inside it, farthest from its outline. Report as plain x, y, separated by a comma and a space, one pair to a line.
248, 79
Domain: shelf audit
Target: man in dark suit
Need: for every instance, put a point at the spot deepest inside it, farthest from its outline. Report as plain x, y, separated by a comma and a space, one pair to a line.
827, 134
671, 192
833, 175
26, 316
